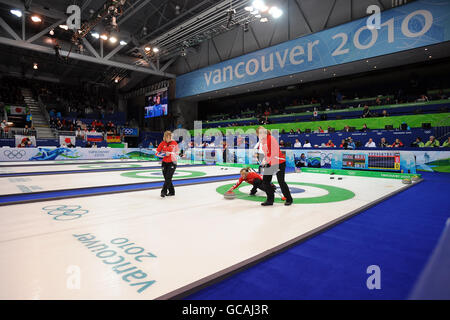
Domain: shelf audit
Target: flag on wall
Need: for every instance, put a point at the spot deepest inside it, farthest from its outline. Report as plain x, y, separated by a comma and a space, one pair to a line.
66, 140
18, 110
113, 139
94, 137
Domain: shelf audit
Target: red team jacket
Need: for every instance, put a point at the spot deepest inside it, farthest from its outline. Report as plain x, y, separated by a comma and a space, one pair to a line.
251, 177
165, 147
272, 152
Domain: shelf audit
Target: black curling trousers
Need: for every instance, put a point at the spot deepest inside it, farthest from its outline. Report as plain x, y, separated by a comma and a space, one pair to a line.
267, 179
259, 184
168, 169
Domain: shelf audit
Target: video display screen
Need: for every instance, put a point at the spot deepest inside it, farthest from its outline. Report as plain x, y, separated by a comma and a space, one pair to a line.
156, 104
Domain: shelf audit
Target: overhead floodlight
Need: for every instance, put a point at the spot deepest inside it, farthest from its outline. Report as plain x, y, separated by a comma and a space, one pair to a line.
275, 12
258, 16
260, 5
104, 36
35, 66
52, 32
96, 35
249, 9
123, 43
155, 50
36, 19
16, 12
113, 39
264, 20
147, 49
63, 26
254, 12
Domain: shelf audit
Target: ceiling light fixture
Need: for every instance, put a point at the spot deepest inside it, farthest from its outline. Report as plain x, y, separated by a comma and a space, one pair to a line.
36, 19
260, 5
275, 12
16, 12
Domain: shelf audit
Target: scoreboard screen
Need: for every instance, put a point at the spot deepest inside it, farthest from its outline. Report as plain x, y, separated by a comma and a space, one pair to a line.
354, 161
383, 161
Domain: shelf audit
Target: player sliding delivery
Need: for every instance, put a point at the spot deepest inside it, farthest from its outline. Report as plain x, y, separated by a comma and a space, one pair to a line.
253, 178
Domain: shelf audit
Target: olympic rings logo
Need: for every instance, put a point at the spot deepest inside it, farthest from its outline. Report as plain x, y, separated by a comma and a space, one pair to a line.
14, 154
326, 157
128, 131
65, 213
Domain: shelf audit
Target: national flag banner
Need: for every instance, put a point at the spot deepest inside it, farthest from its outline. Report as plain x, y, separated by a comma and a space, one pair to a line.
18, 110
113, 139
67, 140
94, 137
24, 139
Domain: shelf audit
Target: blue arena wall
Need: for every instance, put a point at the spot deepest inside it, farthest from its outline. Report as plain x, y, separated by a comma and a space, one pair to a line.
418, 24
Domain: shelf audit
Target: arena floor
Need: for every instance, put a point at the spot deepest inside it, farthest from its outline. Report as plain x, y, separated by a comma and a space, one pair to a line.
136, 245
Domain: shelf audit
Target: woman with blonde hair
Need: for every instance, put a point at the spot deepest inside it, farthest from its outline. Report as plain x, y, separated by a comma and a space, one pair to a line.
274, 162
168, 150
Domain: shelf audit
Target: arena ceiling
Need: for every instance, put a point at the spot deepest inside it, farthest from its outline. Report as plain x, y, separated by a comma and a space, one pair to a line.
176, 27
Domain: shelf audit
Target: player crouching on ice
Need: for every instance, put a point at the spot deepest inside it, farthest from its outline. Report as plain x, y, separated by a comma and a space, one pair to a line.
252, 178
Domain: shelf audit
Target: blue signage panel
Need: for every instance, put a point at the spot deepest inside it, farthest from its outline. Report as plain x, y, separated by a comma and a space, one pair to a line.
414, 25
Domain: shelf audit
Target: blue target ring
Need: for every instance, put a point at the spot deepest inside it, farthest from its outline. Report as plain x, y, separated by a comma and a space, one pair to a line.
293, 190
159, 174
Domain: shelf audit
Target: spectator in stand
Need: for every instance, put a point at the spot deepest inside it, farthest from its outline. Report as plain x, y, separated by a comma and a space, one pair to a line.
446, 144
320, 130
346, 129
397, 144
297, 144
282, 145
307, 144
364, 128
343, 144
80, 134
291, 131
366, 112
299, 131
432, 143
378, 102
383, 143
350, 144
384, 114
330, 144
370, 144
423, 98
418, 143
